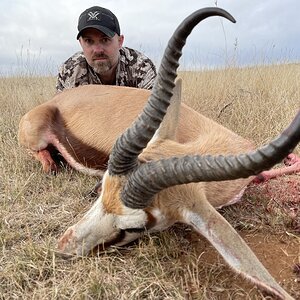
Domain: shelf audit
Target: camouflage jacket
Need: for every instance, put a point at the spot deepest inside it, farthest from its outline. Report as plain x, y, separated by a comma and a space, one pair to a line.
134, 70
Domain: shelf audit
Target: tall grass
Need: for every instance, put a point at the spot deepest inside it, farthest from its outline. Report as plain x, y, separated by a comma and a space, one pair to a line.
36, 208
256, 102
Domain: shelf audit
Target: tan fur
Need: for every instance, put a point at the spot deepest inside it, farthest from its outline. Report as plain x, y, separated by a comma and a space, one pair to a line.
112, 203
221, 142
92, 116
109, 221
87, 120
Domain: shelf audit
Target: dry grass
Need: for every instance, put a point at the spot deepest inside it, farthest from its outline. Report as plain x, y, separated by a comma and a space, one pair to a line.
178, 264
256, 102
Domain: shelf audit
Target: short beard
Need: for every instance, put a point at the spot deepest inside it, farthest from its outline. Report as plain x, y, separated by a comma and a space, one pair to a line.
102, 67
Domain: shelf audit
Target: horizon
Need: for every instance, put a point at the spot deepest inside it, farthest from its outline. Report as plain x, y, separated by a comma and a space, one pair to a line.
262, 35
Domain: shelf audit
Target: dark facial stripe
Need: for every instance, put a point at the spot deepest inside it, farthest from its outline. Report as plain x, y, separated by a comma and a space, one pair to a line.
122, 234
119, 237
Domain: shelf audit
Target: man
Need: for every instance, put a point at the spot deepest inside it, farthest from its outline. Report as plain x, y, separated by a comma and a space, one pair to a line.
104, 60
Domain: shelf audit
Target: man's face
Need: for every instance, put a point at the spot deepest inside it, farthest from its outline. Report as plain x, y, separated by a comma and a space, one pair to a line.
100, 51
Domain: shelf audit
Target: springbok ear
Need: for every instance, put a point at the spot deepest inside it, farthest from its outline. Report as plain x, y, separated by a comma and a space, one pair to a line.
208, 222
168, 127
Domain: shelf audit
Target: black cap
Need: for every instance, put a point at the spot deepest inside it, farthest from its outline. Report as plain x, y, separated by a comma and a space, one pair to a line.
99, 18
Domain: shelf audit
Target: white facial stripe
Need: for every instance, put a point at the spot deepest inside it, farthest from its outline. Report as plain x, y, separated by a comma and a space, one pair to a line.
137, 218
132, 218
96, 227
99, 227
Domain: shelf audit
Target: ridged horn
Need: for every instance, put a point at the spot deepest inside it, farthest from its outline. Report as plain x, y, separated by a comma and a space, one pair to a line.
152, 177
130, 144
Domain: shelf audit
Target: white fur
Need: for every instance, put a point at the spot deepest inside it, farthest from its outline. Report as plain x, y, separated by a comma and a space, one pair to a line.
162, 222
73, 163
131, 218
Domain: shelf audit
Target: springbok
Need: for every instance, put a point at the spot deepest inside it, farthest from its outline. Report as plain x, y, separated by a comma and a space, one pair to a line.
72, 129
155, 179
62, 131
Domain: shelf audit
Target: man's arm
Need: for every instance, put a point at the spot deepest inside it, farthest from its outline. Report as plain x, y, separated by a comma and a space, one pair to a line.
60, 82
148, 75
135, 69
72, 73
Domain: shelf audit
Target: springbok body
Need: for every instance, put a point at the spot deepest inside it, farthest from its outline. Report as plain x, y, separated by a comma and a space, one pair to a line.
83, 124
164, 169
80, 126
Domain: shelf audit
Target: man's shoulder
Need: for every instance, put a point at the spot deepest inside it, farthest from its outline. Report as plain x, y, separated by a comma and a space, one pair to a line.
126, 51
73, 72
132, 57
76, 60
130, 54
135, 69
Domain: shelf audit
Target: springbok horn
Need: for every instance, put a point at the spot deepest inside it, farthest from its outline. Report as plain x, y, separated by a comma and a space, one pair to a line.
150, 178
130, 144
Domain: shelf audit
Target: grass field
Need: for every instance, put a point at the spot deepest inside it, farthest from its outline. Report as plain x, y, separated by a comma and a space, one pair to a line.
35, 208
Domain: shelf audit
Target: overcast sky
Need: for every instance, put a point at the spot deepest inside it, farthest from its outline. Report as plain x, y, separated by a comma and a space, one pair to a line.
38, 35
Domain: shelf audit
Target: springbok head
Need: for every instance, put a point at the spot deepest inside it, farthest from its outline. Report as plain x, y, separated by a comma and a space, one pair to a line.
133, 190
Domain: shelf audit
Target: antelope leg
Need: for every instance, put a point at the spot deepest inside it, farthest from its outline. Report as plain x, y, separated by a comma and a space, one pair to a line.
207, 221
292, 162
49, 165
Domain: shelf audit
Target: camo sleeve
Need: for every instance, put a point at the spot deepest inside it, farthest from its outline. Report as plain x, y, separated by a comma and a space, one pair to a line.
147, 74
135, 69
73, 73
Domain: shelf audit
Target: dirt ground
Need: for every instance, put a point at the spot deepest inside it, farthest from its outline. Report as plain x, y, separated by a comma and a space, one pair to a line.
271, 227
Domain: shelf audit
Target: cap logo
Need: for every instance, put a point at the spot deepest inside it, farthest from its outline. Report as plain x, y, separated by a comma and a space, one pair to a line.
93, 15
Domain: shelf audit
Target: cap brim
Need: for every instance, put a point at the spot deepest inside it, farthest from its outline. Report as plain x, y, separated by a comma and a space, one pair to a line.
103, 29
